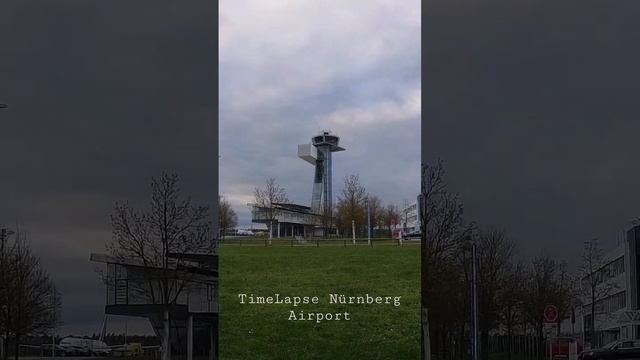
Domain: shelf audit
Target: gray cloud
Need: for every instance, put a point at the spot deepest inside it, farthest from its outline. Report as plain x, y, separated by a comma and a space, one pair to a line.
292, 68
533, 108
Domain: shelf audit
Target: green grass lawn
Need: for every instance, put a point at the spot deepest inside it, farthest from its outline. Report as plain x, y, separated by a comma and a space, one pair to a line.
263, 331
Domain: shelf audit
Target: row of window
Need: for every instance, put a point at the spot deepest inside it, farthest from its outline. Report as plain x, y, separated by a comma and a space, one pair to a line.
610, 270
614, 268
410, 208
612, 303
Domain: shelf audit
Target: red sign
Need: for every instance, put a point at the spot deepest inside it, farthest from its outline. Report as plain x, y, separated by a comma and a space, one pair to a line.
550, 314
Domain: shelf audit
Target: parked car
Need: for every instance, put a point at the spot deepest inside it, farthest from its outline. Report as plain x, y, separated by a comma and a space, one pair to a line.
241, 232
560, 347
625, 349
416, 234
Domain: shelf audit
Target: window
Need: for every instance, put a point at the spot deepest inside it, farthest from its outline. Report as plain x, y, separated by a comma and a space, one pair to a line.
610, 270
627, 344
612, 303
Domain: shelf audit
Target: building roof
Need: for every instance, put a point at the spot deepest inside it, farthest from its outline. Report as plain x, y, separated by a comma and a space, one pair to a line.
207, 263
294, 207
297, 208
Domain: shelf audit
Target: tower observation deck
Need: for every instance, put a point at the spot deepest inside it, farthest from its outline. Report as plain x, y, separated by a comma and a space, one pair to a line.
318, 153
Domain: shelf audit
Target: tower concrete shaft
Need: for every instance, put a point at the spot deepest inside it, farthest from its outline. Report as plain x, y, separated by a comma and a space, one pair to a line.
319, 153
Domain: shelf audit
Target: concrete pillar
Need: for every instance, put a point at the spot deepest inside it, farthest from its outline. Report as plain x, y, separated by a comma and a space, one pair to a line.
190, 337
212, 349
166, 345
353, 231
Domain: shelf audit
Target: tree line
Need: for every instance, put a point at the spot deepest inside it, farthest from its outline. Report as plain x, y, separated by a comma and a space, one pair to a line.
355, 204
512, 293
30, 304
354, 208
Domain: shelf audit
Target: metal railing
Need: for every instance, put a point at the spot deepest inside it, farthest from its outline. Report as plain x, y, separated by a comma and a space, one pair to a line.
299, 241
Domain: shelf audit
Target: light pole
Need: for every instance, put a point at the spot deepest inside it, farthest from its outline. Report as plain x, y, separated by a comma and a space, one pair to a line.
353, 231
4, 234
54, 300
474, 296
368, 221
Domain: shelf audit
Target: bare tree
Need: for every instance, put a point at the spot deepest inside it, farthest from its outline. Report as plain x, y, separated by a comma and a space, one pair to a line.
265, 200
568, 294
542, 288
352, 203
327, 220
375, 211
26, 280
596, 283
443, 232
390, 217
226, 216
4, 290
496, 253
510, 298
159, 237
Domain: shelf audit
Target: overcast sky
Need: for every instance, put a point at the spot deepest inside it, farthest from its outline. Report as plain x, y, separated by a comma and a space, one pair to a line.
533, 106
289, 69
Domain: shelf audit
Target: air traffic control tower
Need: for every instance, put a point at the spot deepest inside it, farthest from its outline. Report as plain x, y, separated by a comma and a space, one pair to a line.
318, 153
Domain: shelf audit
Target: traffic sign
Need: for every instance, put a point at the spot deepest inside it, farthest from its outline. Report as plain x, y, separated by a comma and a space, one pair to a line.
629, 317
548, 329
550, 314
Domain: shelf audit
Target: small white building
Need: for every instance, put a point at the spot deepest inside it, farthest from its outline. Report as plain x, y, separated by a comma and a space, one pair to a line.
289, 220
409, 219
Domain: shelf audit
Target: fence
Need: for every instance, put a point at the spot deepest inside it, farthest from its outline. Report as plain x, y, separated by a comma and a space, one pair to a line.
298, 241
44, 352
453, 346
518, 347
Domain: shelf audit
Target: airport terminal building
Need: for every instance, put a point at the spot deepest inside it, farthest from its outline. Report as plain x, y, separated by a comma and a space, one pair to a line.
290, 220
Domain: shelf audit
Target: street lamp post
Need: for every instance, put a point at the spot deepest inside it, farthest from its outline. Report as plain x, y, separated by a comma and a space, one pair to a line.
471, 259
368, 222
353, 231
4, 234
475, 311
